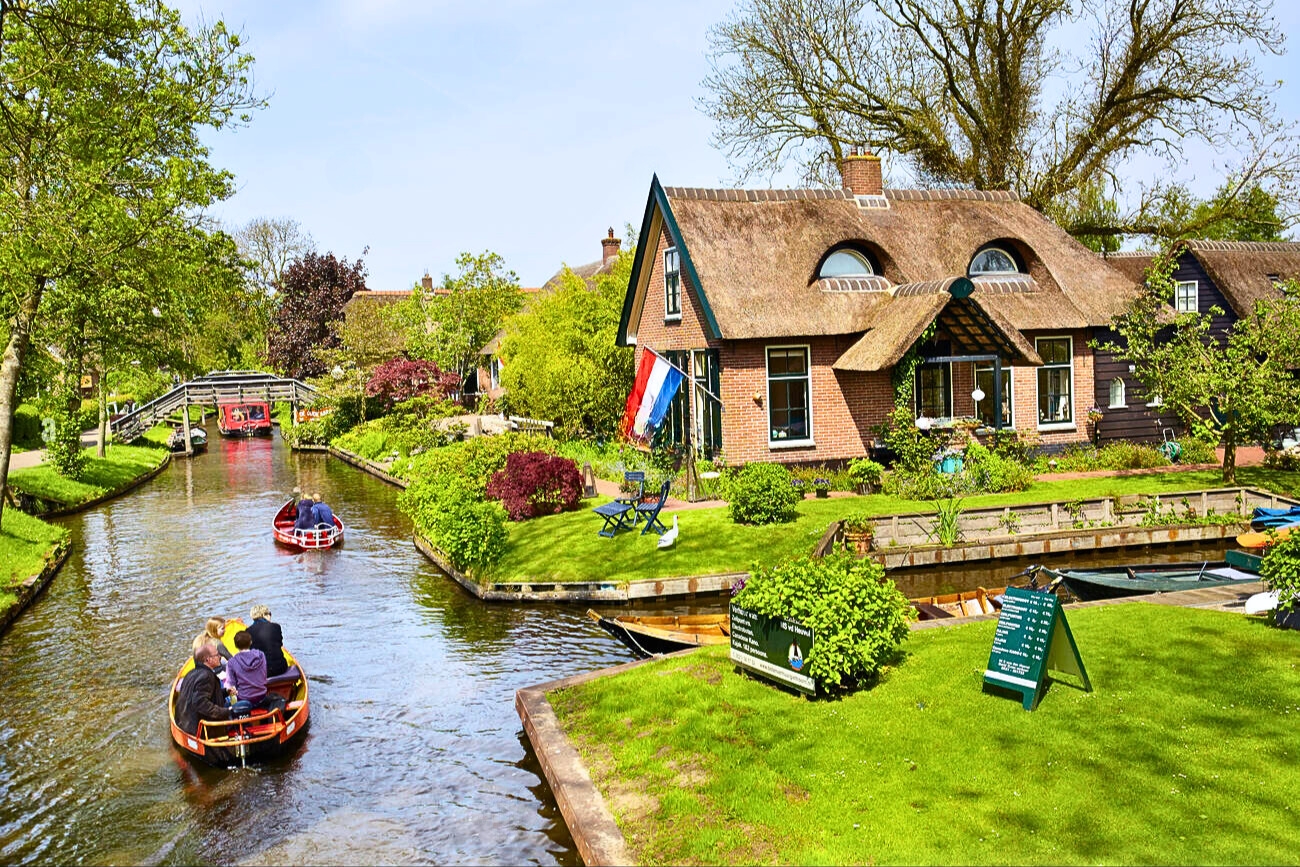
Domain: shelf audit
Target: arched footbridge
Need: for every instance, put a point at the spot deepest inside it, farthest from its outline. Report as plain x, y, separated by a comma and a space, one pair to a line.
225, 386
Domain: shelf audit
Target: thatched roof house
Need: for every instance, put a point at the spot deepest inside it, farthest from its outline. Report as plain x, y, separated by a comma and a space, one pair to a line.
841, 284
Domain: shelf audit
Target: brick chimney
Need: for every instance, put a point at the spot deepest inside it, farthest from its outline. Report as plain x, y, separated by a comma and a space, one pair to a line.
426, 282
609, 247
860, 172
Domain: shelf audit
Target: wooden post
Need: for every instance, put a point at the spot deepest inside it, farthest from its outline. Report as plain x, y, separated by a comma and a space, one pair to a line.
185, 425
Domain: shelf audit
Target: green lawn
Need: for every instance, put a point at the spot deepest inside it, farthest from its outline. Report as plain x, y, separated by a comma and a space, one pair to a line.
566, 547
1184, 754
123, 465
24, 543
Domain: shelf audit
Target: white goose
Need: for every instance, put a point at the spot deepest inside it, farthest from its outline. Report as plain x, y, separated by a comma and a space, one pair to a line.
669, 536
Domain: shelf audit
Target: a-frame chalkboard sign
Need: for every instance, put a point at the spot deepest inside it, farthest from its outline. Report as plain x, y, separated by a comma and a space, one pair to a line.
1032, 637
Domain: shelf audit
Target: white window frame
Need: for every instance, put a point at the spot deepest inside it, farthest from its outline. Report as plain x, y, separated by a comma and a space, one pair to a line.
1155, 401
1179, 287
671, 315
767, 395
1055, 425
993, 274
1010, 380
494, 372
868, 269
916, 390
1123, 394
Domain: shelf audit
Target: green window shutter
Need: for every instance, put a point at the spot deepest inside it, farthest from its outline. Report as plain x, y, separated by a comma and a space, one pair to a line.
713, 430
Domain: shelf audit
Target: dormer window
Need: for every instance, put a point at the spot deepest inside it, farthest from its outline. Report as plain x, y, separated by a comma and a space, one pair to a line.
846, 263
672, 284
993, 261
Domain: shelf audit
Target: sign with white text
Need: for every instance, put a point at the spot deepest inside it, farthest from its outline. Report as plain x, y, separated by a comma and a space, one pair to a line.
1032, 637
776, 648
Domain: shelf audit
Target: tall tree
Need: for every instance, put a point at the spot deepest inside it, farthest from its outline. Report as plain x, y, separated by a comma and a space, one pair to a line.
961, 90
305, 328
451, 324
102, 108
268, 245
559, 357
1237, 387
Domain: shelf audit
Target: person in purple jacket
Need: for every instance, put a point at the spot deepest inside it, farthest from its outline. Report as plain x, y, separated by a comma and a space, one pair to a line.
246, 675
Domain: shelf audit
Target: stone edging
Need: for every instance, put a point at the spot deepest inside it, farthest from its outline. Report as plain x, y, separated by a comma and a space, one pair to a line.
597, 835
103, 498
32, 587
361, 463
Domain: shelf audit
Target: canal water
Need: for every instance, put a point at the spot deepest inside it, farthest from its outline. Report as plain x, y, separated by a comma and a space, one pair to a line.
415, 753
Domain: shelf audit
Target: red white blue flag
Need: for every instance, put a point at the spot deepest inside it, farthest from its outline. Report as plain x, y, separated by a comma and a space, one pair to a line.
656, 384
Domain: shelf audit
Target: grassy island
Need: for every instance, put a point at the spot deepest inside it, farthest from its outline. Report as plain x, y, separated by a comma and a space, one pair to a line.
25, 543
1184, 754
122, 466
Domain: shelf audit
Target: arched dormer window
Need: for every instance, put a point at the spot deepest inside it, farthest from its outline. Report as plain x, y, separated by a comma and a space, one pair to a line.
846, 263
992, 261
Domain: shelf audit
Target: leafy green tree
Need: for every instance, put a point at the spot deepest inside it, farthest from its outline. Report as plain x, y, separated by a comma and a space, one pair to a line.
960, 90
1236, 388
102, 108
559, 358
450, 325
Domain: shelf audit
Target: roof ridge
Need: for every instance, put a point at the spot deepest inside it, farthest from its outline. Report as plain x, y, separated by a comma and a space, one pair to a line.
1127, 254
722, 194
1209, 246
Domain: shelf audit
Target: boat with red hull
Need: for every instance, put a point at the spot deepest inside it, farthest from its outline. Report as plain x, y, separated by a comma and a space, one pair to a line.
249, 419
260, 736
285, 534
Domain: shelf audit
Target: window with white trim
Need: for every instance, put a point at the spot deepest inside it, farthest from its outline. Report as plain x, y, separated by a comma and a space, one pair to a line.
1185, 296
789, 405
1055, 381
494, 372
984, 408
934, 390
993, 260
1117, 393
846, 263
672, 284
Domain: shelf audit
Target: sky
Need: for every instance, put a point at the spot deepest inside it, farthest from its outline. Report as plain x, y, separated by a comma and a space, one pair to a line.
421, 129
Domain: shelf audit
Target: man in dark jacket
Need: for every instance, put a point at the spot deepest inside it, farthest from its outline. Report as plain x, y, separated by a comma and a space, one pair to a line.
268, 638
305, 519
201, 696
322, 513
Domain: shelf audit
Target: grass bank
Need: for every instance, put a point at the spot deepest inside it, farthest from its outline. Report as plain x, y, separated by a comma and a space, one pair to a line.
24, 544
566, 547
1184, 754
122, 466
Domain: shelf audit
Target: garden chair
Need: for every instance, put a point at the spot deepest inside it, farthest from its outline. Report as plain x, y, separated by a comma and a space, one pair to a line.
636, 481
651, 511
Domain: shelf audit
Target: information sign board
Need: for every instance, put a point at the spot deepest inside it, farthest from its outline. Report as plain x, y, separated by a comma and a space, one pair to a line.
772, 647
1032, 637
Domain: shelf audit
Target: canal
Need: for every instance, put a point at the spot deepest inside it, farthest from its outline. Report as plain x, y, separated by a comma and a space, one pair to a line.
415, 754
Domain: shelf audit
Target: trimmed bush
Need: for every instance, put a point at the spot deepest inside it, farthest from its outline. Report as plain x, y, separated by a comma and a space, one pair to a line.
866, 474
1198, 451
762, 494
27, 427
536, 483
858, 616
474, 460
470, 532
986, 472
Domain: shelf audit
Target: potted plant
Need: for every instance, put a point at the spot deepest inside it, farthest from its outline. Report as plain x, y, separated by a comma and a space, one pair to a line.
866, 475
859, 531
822, 487
797, 484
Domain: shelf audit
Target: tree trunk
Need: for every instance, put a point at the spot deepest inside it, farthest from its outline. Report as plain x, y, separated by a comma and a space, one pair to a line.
101, 447
1230, 456
16, 350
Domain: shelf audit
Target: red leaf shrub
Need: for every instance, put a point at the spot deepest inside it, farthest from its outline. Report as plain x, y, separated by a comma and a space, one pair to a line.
535, 483
401, 379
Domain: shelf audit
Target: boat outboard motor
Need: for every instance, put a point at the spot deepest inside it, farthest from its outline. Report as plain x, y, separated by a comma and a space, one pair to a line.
241, 710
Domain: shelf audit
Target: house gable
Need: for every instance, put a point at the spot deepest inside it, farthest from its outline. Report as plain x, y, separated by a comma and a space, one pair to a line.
658, 217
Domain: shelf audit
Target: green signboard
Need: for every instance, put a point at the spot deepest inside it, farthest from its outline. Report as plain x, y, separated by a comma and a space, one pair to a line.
772, 647
1032, 637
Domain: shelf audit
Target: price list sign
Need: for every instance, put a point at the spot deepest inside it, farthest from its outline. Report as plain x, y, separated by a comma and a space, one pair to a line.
1032, 637
775, 648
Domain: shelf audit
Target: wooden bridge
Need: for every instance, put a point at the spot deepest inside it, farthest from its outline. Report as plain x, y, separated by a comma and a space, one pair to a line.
225, 386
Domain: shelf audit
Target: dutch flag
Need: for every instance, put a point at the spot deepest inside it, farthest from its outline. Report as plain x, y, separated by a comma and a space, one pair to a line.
656, 383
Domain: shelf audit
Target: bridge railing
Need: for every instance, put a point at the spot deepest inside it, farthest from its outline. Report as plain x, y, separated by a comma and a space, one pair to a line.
215, 389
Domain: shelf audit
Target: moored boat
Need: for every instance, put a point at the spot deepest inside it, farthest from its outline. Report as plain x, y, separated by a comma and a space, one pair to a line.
968, 603
258, 737
282, 526
198, 441
1264, 538
1264, 518
652, 635
249, 419
1115, 581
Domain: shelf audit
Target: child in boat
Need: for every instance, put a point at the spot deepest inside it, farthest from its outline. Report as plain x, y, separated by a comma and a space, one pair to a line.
246, 674
211, 634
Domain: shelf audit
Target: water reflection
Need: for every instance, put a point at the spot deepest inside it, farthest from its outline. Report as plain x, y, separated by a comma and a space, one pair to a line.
415, 754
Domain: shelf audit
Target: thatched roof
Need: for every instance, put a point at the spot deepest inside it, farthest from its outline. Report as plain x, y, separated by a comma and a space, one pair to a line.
1243, 271
755, 255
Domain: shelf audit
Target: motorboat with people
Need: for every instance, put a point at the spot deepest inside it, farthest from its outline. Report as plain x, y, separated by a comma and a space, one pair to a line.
249, 419
286, 532
254, 736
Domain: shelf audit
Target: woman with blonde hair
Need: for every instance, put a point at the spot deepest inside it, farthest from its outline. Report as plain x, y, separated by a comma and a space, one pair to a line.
211, 634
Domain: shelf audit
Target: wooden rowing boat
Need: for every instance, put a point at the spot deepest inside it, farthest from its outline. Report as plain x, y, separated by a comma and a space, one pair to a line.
968, 603
653, 635
1115, 581
1262, 539
282, 526
259, 737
